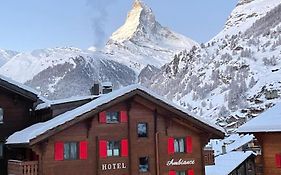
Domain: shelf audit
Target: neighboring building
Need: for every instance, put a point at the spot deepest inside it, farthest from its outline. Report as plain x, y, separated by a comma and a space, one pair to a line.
233, 163
126, 132
234, 142
21, 106
17, 111
267, 129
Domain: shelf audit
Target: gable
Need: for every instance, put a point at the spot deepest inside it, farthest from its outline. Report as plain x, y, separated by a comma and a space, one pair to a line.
44, 130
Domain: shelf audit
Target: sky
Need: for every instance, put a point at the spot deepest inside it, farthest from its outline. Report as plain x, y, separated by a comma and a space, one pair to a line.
32, 24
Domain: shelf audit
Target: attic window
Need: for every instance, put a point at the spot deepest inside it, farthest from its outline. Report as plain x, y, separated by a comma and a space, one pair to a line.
1, 115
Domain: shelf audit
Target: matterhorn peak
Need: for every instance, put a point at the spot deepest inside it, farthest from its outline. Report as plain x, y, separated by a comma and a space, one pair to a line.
139, 19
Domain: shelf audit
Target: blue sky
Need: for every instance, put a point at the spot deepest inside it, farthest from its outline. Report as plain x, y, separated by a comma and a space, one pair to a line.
32, 24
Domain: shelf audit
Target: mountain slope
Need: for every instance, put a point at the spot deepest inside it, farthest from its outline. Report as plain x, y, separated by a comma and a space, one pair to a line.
67, 71
6, 55
234, 76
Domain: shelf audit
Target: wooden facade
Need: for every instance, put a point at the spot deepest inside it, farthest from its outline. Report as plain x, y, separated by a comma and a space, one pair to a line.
18, 102
271, 153
164, 125
17, 114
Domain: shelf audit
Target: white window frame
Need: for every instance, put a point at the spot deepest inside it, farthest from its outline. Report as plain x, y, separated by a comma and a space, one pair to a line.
179, 145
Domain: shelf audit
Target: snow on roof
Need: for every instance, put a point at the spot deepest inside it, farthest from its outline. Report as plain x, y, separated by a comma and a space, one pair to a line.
226, 163
233, 142
107, 84
32, 132
268, 121
65, 100
24, 87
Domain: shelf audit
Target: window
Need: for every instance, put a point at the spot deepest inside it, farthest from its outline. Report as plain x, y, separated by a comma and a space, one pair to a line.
179, 145
112, 117
143, 164
142, 129
1, 150
70, 150
113, 148
1, 115
180, 173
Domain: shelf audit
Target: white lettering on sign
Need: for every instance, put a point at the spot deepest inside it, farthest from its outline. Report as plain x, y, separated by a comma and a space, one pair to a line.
180, 162
113, 166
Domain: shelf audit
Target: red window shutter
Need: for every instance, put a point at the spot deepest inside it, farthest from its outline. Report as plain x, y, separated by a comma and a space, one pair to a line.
59, 149
171, 147
189, 144
102, 117
123, 117
278, 160
190, 172
172, 172
103, 148
124, 148
83, 150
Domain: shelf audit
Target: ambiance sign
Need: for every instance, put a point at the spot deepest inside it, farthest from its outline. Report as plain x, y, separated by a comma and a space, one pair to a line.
180, 162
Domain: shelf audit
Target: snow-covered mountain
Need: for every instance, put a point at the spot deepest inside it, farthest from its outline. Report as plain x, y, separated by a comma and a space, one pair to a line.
236, 75
62, 72
142, 40
6, 55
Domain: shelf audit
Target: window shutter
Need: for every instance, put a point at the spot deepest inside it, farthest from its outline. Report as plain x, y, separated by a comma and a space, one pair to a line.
123, 117
83, 150
59, 149
171, 147
278, 160
190, 172
189, 144
103, 148
172, 172
124, 148
102, 117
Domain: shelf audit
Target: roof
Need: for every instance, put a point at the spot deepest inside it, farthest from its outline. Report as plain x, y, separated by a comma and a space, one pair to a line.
50, 103
20, 89
233, 142
226, 163
268, 121
29, 134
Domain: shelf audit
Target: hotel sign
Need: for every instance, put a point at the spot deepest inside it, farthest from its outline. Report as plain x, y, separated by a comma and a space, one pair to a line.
180, 162
113, 166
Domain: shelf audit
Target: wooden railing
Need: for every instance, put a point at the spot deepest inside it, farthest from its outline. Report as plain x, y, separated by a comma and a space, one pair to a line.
16, 167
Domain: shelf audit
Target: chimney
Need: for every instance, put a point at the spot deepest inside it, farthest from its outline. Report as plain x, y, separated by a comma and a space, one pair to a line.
106, 87
95, 90
223, 148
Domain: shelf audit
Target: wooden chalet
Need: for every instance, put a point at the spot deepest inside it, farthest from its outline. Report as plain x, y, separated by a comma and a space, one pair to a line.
126, 132
267, 129
20, 107
17, 103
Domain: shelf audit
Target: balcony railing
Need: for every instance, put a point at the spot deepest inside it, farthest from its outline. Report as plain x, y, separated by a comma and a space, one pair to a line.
16, 167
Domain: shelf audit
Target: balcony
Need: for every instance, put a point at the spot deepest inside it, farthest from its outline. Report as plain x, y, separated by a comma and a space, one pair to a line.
16, 167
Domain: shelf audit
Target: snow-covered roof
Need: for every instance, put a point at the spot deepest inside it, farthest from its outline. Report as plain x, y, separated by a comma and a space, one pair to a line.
268, 121
48, 104
233, 142
26, 135
226, 163
23, 87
